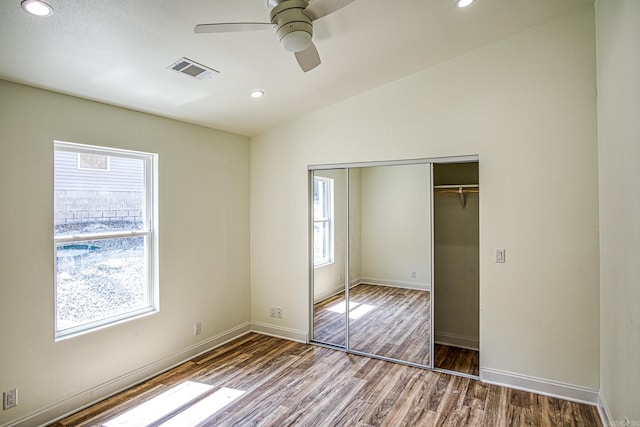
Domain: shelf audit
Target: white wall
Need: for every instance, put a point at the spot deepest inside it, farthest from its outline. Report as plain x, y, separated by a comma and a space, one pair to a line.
618, 33
204, 243
395, 225
527, 106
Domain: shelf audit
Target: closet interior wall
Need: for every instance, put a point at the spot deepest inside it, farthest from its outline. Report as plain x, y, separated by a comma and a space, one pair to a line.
456, 255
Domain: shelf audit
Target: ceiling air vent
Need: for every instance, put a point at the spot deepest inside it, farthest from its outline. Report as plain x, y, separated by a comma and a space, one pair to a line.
192, 69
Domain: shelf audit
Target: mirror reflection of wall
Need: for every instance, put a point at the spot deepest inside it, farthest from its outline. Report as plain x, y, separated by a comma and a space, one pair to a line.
395, 226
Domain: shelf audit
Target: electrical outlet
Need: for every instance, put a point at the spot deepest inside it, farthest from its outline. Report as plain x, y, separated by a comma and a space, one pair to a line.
413, 274
272, 311
279, 312
10, 398
197, 328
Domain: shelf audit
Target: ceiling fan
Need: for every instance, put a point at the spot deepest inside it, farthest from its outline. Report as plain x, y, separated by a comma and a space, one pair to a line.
293, 22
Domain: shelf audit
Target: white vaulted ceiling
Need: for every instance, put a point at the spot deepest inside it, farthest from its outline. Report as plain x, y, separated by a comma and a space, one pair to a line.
116, 51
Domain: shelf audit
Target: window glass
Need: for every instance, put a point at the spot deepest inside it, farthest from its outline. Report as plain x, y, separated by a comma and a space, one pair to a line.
95, 201
322, 220
103, 234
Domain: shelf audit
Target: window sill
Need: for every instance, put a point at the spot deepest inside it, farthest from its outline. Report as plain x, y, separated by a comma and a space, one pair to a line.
324, 264
61, 336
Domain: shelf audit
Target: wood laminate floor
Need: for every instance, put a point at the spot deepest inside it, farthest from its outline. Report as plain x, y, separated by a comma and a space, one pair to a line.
292, 384
385, 321
457, 359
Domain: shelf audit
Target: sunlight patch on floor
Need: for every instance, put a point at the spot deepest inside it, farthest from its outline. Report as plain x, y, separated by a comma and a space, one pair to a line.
202, 410
360, 311
173, 399
356, 309
341, 306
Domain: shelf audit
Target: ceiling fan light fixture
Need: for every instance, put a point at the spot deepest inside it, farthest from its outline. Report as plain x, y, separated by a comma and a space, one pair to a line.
463, 3
36, 7
293, 28
296, 41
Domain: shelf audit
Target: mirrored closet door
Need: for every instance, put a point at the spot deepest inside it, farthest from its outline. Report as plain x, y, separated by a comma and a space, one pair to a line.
372, 269
328, 261
390, 262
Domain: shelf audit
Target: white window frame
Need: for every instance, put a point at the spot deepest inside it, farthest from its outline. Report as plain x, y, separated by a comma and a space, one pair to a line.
329, 219
150, 232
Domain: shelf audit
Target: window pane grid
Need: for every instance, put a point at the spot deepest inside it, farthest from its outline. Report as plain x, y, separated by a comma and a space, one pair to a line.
82, 237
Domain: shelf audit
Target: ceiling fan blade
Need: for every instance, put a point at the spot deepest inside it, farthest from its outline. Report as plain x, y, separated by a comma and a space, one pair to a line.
231, 27
319, 8
309, 58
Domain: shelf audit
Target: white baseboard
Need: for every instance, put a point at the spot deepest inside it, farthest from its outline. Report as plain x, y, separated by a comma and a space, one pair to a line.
395, 283
605, 414
66, 407
540, 386
280, 332
471, 343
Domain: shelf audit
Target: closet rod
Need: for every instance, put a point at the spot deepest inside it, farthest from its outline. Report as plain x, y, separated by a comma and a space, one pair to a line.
459, 189
456, 190
454, 186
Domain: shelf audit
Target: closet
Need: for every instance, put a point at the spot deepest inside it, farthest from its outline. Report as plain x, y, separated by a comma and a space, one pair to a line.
382, 238
456, 266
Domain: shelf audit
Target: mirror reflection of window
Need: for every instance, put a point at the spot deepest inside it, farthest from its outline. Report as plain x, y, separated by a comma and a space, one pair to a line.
322, 220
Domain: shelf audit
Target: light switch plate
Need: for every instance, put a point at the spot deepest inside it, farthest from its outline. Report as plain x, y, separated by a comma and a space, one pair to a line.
500, 255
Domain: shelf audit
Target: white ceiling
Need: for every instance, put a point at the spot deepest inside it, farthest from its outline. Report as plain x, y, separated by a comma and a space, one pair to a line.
116, 51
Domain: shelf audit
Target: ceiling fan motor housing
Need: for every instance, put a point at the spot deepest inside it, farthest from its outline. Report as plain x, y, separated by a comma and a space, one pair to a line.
293, 28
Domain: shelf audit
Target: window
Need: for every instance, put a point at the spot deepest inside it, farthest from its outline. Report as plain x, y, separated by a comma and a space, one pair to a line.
104, 236
322, 220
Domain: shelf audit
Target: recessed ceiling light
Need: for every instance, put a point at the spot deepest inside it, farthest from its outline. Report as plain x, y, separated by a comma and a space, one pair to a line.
256, 93
36, 7
463, 3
